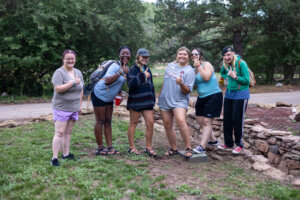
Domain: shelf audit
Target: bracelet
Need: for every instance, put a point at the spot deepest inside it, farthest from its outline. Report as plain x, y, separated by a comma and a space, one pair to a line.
74, 83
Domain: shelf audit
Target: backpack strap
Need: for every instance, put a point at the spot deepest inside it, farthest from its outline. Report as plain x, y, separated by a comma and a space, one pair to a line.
240, 63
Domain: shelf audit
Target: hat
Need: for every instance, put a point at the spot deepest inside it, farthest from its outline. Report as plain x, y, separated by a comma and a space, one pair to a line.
227, 49
143, 52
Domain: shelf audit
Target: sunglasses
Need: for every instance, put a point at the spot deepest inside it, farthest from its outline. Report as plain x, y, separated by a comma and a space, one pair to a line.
195, 54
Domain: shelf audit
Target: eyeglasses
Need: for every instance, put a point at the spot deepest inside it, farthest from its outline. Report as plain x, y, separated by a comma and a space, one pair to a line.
195, 54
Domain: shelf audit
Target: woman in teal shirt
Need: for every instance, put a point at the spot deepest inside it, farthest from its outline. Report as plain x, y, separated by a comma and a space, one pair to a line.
209, 101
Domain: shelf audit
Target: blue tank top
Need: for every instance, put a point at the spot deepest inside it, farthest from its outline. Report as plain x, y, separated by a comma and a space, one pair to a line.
206, 88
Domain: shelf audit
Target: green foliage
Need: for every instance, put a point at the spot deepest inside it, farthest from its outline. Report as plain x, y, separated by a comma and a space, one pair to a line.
35, 33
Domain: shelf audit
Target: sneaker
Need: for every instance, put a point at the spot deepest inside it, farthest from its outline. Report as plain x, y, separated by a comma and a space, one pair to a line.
237, 150
70, 156
223, 146
199, 149
215, 143
54, 162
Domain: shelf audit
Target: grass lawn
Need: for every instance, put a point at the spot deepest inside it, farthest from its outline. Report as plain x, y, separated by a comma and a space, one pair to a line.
26, 173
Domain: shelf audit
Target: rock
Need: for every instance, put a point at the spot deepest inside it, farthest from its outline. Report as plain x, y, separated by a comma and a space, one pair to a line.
292, 164
275, 173
292, 156
85, 111
9, 124
4, 94
262, 145
192, 132
261, 135
296, 152
269, 132
295, 172
274, 149
283, 167
259, 158
282, 104
160, 121
215, 122
217, 133
216, 157
296, 182
273, 158
251, 141
290, 138
260, 166
272, 140
246, 145
258, 128
279, 85
246, 135
155, 74
251, 121
264, 124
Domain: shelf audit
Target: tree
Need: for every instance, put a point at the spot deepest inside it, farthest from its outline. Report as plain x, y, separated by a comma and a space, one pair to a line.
35, 33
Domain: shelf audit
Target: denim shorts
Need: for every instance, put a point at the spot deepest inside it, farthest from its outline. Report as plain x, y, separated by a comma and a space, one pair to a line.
63, 116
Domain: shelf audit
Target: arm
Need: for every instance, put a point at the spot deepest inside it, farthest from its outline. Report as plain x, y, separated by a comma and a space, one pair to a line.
245, 78
223, 72
184, 89
135, 79
206, 71
65, 87
122, 71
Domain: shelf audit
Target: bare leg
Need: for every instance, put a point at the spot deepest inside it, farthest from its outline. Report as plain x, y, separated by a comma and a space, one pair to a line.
167, 117
134, 119
67, 137
180, 115
149, 119
100, 117
60, 129
107, 125
207, 131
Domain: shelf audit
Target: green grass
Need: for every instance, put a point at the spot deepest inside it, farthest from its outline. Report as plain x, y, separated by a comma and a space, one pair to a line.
26, 173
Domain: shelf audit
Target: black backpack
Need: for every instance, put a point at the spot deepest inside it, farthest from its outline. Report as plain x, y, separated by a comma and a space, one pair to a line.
97, 75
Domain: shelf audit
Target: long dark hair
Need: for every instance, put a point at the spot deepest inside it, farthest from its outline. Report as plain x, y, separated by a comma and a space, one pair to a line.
201, 56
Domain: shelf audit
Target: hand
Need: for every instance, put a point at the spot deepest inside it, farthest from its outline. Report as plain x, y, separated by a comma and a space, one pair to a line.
124, 68
197, 63
77, 80
179, 80
232, 74
147, 74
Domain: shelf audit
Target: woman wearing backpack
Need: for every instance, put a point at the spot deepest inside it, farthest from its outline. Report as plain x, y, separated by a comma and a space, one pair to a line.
107, 88
141, 100
209, 101
235, 71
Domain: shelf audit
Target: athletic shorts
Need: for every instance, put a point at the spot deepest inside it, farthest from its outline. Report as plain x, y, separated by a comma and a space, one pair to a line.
210, 106
140, 109
98, 102
63, 116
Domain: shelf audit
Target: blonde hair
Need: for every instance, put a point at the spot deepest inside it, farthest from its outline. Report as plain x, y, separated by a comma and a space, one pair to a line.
232, 62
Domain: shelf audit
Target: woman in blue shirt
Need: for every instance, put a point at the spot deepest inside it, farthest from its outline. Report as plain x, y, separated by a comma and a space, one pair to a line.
210, 99
103, 96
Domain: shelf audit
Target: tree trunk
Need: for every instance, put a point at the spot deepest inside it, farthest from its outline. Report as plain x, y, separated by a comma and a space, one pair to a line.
288, 72
237, 29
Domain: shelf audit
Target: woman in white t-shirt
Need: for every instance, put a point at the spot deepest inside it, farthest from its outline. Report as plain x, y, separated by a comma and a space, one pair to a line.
174, 99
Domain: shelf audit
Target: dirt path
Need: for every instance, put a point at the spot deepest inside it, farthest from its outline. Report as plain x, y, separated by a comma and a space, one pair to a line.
23, 111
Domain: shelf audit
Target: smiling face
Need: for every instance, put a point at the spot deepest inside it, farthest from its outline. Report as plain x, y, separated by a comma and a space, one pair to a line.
195, 55
182, 57
228, 57
124, 56
143, 60
69, 60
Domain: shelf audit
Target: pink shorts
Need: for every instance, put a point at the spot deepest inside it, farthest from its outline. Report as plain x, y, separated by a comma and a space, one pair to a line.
64, 116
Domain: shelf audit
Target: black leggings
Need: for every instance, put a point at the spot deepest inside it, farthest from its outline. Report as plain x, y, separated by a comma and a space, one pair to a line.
234, 114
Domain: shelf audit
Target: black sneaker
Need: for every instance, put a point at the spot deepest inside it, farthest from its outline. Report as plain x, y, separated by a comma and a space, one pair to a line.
215, 143
70, 156
54, 162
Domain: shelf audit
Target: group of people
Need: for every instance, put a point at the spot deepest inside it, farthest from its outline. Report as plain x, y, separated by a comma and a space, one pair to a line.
179, 80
